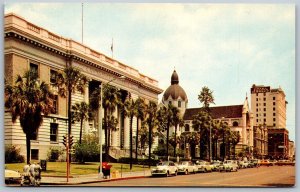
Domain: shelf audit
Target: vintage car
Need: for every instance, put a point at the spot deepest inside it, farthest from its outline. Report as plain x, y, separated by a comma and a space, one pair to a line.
12, 176
215, 165
186, 167
165, 168
255, 162
265, 162
228, 165
203, 166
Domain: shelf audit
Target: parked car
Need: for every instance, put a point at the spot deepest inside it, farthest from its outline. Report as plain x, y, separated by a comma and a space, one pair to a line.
255, 162
229, 165
186, 167
264, 162
243, 164
273, 162
203, 166
12, 176
285, 162
215, 165
165, 168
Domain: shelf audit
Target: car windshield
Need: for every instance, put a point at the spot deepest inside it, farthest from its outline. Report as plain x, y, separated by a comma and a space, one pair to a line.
215, 163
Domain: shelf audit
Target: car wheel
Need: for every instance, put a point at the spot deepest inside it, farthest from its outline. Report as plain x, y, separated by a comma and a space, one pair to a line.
167, 174
175, 173
205, 170
186, 172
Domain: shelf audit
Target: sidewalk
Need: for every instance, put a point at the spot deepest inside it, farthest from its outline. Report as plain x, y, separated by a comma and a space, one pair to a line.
92, 178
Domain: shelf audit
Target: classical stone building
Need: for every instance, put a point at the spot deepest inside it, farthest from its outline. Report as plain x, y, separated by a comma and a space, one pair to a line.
28, 46
260, 149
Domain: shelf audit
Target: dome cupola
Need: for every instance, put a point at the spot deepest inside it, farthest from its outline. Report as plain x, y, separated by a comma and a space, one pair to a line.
175, 90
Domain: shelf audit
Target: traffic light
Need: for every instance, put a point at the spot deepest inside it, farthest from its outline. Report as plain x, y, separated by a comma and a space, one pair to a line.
65, 140
71, 141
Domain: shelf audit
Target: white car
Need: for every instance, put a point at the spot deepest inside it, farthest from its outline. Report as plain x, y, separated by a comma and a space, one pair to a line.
204, 166
12, 176
229, 165
165, 168
187, 167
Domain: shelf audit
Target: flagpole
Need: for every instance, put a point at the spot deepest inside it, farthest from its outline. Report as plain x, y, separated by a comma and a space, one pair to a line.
112, 48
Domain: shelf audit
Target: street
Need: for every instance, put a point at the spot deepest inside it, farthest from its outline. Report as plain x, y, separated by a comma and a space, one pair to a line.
273, 176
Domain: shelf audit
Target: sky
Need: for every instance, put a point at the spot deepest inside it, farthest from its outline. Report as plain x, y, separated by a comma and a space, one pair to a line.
227, 47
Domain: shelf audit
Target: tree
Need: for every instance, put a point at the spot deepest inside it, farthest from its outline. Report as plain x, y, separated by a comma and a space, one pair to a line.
140, 105
111, 99
150, 119
235, 140
206, 97
29, 100
80, 113
202, 123
177, 120
130, 112
68, 82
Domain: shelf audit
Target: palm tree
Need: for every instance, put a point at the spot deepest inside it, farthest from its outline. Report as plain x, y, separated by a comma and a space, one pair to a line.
29, 100
224, 131
80, 113
130, 112
68, 82
111, 98
206, 97
150, 118
140, 105
235, 140
177, 120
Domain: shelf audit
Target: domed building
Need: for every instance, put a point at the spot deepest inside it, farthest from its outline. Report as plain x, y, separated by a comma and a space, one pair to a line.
175, 94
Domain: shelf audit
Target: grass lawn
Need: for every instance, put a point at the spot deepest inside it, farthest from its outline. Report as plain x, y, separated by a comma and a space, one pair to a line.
60, 168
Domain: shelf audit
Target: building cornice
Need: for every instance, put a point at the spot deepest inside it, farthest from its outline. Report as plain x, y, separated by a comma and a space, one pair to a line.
18, 28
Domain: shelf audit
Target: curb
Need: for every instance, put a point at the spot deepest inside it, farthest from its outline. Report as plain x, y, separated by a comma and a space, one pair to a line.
94, 181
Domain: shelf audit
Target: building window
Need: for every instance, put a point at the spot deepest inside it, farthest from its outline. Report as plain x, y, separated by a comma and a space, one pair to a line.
256, 110
273, 108
256, 115
264, 99
53, 75
256, 104
264, 104
35, 154
274, 119
34, 68
264, 109
256, 99
53, 131
264, 114
187, 127
273, 98
273, 103
274, 114
235, 124
179, 104
257, 120
256, 94
55, 104
34, 135
264, 120
274, 124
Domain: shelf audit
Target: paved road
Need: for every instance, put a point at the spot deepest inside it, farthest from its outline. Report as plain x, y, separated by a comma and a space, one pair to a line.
282, 176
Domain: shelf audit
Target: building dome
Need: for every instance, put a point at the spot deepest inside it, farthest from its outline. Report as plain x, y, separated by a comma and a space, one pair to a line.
175, 90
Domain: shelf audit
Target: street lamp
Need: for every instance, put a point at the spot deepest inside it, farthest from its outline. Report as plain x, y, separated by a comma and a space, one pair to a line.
100, 121
210, 152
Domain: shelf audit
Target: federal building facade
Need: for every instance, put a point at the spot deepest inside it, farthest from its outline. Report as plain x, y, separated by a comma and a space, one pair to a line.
28, 46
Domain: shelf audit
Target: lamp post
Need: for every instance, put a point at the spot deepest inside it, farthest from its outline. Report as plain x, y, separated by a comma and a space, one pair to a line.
210, 152
100, 122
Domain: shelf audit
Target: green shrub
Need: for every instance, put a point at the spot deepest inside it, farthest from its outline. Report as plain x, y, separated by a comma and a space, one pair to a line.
12, 154
54, 154
87, 151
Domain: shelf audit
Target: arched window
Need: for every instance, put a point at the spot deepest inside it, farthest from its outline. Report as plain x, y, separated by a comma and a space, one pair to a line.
235, 124
179, 104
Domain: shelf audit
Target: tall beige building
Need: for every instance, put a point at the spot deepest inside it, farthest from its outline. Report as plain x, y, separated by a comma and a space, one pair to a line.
268, 106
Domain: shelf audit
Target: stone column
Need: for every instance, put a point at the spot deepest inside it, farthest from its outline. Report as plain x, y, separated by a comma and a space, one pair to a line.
126, 133
244, 135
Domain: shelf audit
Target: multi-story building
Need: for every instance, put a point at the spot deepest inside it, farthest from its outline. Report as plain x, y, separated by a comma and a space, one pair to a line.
28, 46
291, 150
268, 106
269, 109
278, 143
